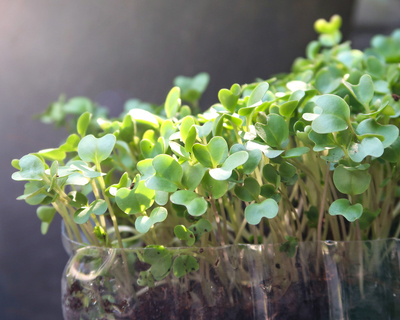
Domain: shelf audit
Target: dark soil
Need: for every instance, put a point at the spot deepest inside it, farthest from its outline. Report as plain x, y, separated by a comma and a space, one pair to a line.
163, 302
305, 297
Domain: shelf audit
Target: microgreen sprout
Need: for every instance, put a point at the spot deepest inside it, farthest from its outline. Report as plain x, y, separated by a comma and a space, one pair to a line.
309, 155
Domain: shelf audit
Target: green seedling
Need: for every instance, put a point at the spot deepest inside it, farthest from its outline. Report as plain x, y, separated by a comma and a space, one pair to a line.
270, 161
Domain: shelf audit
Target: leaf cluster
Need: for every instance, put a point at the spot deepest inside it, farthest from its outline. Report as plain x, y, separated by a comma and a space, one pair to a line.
271, 160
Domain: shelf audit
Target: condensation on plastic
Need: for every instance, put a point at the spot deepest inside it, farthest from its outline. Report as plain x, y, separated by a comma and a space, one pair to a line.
324, 280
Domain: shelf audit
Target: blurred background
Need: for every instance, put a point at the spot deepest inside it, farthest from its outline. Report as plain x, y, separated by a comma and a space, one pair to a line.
111, 51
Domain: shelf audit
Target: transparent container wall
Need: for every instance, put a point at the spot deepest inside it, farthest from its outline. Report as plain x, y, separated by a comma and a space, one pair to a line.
326, 280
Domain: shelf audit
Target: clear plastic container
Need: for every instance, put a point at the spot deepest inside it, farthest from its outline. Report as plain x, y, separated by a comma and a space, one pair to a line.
323, 280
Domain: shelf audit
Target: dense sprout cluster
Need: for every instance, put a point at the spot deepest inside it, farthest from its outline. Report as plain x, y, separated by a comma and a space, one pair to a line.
312, 154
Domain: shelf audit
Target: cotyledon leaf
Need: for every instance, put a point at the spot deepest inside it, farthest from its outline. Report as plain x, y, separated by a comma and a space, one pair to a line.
92, 149
256, 211
334, 116
135, 200
32, 168
182, 233
351, 181
367, 147
184, 264
213, 154
233, 161
370, 126
344, 208
144, 223
167, 176
194, 204
97, 207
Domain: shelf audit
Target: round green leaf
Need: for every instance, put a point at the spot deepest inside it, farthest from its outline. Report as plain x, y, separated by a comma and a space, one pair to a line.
368, 147
184, 234
214, 187
322, 141
335, 114
167, 176
194, 204
289, 246
213, 154
205, 129
252, 162
144, 223
363, 91
233, 161
34, 193
323, 26
32, 168
351, 181
76, 179
228, 99
161, 197
370, 126
160, 259
327, 123
137, 200
45, 214
145, 279
192, 88
344, 208
330, 39
124, 182
326, 82
267, 190
287, 170
184, 264
192, 175
275, 132
167, 129
249, 191
256, 211
92, 149
200, 227
150, 150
